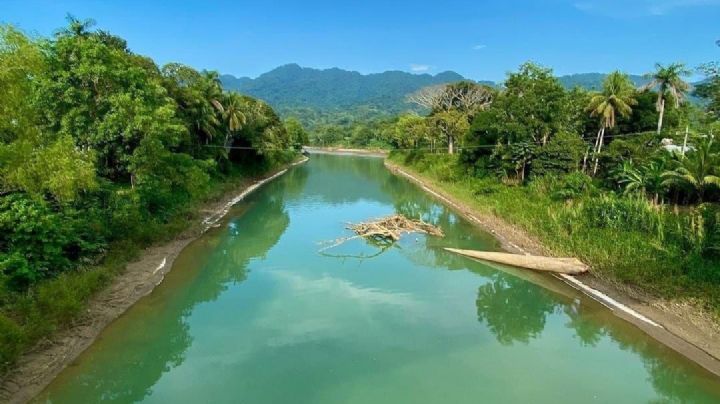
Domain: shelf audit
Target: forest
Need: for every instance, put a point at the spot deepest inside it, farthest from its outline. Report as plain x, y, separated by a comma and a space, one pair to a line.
103, 152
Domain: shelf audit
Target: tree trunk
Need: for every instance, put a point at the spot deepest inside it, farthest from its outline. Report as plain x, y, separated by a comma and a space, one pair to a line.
687, 131
599, 148
662, 112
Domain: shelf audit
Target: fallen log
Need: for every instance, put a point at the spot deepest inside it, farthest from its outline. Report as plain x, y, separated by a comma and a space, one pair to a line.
570, 266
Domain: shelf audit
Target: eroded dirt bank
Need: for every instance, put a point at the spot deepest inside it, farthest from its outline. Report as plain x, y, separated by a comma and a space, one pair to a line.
37, 368
683, 326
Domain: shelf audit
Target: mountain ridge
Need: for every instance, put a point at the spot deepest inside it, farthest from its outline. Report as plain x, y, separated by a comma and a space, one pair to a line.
305, 91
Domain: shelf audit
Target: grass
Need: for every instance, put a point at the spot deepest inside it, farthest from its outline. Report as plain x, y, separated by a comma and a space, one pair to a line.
54, 304
641, 247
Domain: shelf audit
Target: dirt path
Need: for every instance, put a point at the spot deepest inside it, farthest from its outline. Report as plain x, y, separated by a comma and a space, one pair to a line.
36, 369
680, 325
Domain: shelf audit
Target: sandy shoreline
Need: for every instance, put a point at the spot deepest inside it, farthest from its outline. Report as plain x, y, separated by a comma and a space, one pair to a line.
682, 326
37, 368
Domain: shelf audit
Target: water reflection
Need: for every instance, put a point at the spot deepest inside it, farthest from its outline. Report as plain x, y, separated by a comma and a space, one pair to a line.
513, 309
156, 336
307, 328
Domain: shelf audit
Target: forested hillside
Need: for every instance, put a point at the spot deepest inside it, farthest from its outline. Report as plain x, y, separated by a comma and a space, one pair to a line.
341, 97
291, 86
594, 81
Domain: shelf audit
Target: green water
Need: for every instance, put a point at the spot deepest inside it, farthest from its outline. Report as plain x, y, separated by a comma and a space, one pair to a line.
252, 313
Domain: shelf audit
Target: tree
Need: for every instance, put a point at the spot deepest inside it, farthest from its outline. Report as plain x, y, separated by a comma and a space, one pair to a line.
447, 102
668, 80
198, 96
231, 109
452, 124
296, 132
465, 96
536, 100
698, 171
410, 131
710, 88
104, 97
616, 99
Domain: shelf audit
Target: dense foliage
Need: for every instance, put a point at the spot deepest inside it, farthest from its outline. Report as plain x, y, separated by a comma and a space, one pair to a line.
101, 149
626, 177
331, 101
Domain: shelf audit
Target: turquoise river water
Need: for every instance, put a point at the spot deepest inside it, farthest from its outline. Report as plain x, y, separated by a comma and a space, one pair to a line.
253, 312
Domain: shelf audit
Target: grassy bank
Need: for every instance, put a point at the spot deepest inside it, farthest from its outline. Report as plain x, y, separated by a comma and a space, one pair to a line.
29, 316
655, 249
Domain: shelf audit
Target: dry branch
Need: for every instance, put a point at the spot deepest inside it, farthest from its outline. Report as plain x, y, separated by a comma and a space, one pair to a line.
387, 230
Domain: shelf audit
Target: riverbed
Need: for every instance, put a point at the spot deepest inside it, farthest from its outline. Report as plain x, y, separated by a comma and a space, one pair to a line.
255, 311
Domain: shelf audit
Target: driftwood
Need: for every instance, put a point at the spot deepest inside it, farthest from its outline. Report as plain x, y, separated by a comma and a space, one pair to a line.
385, 231
392, 227
570, 266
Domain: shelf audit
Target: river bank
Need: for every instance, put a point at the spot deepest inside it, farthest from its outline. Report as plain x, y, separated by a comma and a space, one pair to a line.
37, 368
683, 326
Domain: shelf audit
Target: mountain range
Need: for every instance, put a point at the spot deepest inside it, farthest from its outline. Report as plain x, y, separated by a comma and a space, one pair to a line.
303, 91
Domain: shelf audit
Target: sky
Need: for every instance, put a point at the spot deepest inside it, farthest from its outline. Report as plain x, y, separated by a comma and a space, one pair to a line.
481, 40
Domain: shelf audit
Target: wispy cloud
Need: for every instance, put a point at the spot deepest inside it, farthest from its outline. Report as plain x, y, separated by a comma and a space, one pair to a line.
479, 46
639, 7
416, 68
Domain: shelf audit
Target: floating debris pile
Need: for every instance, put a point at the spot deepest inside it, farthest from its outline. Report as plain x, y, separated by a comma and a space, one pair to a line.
387, 230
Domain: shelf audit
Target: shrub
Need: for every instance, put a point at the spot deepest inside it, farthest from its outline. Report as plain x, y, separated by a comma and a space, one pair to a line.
697, 231
561, 155
11, 341
571, 186
37, 242
610, 211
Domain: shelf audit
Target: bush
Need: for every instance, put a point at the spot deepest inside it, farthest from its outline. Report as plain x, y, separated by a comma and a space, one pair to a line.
610, 211
11, 341
37, 242
571, 186
697, 231
561, 155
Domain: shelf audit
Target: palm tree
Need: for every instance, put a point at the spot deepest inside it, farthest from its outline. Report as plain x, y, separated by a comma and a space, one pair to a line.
647, 179
205, 112
698, 171
616, 98
232, 115
668, 80
77, 27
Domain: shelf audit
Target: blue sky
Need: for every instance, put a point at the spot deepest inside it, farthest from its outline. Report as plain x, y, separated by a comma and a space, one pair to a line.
479, 39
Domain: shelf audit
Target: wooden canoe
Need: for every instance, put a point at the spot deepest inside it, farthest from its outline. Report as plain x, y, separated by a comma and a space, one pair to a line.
570, 266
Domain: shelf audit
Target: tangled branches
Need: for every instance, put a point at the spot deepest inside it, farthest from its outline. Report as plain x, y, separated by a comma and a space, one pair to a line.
385, 231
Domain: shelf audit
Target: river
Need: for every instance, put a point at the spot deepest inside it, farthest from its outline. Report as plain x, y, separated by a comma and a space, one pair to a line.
252, 312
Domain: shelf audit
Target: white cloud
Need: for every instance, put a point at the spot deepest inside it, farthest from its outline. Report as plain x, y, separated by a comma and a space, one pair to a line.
619, 8
479, 46
419, 68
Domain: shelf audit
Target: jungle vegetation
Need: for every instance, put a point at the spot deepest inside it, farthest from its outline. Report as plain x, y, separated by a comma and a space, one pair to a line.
627, 178
103, 152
